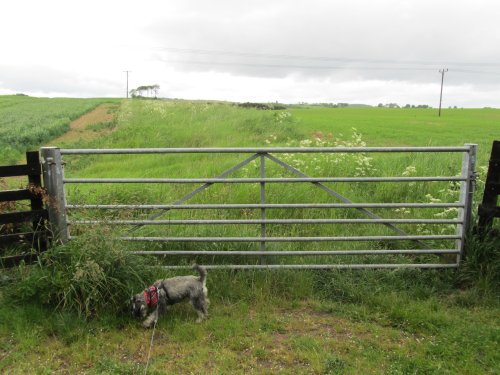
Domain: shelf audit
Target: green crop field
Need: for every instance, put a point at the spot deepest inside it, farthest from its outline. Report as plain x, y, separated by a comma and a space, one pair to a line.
27, 122
68, 313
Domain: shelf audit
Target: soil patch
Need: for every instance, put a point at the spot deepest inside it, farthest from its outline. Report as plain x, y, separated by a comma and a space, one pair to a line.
91, 125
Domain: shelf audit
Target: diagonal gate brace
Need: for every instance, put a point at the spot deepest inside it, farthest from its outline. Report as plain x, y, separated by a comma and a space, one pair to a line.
197, 190
341, 198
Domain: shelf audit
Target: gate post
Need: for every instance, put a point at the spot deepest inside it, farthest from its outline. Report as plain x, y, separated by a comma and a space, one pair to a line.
53, 179
466, 197
488, 209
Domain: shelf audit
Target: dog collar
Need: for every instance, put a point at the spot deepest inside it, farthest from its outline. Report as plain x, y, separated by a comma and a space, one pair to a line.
151, 296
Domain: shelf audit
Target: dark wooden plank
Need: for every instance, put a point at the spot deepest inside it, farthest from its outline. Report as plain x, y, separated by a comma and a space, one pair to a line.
488, 208
19, 170
493, 189
35, 182
33, 159
489, 212
31, 240
493, 171
495, 151
23, 216
15, 195
8, 239
15, 260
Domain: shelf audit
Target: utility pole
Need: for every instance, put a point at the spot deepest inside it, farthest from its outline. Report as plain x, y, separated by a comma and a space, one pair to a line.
442, 71
127, 71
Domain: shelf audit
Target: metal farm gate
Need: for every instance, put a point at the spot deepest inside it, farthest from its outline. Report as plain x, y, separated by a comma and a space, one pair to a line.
421, 250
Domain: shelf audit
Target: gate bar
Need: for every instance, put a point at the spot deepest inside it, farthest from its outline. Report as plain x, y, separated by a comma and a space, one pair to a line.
240, 150
291, 253
257, 206
255, 180
266, 221
317, 266
289, 239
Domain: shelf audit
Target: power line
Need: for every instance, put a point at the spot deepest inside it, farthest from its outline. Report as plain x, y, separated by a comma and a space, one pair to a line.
318, 67
319, 58
295, 66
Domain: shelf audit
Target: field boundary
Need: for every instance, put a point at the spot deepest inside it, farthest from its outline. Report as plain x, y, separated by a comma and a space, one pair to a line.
489, 208
37, 215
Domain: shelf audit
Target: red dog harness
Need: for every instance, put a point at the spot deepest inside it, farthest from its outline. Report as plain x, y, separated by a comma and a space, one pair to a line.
151, 296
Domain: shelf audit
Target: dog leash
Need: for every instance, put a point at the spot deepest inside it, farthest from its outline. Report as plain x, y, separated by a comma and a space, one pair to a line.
150, 347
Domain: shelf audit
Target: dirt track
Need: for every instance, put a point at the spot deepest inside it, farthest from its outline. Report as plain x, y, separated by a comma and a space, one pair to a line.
86, 126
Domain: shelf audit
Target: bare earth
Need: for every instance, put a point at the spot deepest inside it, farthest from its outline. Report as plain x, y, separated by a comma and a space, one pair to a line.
81, 128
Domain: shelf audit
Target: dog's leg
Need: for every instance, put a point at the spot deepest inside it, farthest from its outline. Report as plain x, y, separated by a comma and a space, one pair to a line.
201, 317
205, 294
151, 319
200, 305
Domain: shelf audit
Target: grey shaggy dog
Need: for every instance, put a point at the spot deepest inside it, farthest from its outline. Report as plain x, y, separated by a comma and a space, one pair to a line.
163, 293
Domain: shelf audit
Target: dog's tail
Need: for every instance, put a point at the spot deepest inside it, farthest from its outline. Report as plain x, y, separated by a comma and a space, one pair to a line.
202, 271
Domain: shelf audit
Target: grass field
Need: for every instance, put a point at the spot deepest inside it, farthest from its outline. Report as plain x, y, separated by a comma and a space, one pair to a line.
322, 322
199, 124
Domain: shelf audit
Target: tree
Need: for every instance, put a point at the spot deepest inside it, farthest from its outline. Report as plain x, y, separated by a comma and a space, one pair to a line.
156, 88
147, 90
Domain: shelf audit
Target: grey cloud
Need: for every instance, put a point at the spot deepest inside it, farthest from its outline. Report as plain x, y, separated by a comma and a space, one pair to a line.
387, 40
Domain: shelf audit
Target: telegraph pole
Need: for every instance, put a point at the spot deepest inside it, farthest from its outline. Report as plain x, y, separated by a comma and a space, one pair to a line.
127, 71
442, 71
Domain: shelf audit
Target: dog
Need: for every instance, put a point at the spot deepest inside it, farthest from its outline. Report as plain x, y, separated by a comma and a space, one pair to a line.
163, 293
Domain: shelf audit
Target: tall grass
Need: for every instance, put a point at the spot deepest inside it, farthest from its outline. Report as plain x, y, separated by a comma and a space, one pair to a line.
481, 267
89, 276
314, 165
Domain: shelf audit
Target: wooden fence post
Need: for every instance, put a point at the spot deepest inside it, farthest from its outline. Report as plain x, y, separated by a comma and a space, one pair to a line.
53, 175
489, 208
36, 201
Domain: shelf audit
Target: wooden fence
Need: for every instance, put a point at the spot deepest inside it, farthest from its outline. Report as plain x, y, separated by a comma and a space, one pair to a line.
490, 208
24, 230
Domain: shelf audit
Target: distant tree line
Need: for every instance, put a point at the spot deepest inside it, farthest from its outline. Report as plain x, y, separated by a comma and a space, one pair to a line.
145, 91
337, 105
264, 106
332, 105
395, 105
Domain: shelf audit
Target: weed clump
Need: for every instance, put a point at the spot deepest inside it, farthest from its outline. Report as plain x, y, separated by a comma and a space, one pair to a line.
481, 266
89, 275
334, 365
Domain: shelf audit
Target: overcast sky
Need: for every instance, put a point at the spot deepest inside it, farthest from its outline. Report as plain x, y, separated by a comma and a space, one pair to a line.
357, 51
